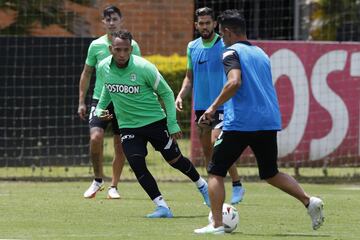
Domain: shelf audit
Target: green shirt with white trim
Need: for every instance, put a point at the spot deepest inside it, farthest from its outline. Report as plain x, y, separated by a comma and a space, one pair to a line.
99, 50
135, 91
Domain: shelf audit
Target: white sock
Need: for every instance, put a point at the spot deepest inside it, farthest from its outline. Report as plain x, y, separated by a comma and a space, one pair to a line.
159, 201
199, 183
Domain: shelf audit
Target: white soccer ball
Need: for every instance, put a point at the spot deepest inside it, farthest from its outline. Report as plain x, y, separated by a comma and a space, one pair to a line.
230, 217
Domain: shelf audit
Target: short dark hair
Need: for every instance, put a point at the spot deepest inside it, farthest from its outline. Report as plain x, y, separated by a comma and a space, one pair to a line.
234, 20
122, 34
205, 11
111, 10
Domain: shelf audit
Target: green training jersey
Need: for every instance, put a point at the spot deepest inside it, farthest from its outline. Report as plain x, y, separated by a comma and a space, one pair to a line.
135, 91
99, 50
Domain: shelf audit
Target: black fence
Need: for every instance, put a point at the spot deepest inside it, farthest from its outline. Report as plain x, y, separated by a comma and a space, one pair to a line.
38, 101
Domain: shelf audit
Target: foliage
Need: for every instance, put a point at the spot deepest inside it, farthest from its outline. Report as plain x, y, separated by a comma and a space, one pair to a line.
173, 69
336, 20
45, 12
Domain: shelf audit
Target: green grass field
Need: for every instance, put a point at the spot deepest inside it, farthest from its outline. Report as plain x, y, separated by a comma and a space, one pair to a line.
58, 211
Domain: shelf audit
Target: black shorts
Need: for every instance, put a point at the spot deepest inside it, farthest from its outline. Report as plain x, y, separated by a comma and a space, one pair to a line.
134, 140
230, 144
218, 118
94, 121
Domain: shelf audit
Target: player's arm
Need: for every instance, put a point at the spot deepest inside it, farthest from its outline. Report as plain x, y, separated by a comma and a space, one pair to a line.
187, 84
83, 88
104, 101
105, 97
85, 77
186, 87
232, 68
163, 90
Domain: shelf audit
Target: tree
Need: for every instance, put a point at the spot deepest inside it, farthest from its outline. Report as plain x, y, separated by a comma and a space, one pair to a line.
335, 20
45, 12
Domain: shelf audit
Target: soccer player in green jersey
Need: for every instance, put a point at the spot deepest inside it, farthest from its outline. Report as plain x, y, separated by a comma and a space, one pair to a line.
134, 85
98, 50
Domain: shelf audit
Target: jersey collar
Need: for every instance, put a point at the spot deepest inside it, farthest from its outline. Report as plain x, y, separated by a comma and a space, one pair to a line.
130, 62
245, 42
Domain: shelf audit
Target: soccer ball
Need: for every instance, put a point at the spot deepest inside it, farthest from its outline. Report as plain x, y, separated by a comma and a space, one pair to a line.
230, 217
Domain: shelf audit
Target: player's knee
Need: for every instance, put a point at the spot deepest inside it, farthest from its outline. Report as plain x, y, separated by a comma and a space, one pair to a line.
96, 137
171, 162
268, 174
181, 163
137, 164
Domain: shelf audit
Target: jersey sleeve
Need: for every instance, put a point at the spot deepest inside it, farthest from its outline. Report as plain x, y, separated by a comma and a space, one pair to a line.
189, 63
136, 49
231, 60
104, 101
163, 90
105, 97
91, 56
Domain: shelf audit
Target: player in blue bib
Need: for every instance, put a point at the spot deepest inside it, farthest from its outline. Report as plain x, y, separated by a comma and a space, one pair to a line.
205, 76
251, 119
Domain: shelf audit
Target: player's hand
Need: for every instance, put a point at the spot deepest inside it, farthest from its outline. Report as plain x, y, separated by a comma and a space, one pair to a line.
207, 117
178, 104
82, 111
105, 115
176, 135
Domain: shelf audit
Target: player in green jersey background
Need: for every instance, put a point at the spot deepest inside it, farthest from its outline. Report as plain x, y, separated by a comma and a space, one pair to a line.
98, 50
135, 86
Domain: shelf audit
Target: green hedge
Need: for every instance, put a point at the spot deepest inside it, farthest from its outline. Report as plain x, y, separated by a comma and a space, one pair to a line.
173, 69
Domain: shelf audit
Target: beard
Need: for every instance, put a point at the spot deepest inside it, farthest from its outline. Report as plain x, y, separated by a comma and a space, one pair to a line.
206, 35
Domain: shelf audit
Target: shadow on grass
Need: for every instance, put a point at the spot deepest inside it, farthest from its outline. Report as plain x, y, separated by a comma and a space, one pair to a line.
134, 199
192, 216
174, 217
284, 234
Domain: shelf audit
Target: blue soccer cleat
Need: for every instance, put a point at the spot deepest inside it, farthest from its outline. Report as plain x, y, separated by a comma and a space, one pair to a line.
237, 194
205, 194
161, 212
